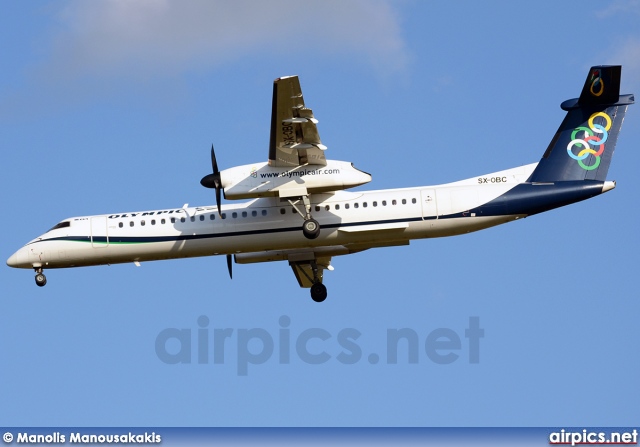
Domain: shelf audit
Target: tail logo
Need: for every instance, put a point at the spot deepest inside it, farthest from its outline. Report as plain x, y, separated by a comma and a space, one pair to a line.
590, 139
596, 83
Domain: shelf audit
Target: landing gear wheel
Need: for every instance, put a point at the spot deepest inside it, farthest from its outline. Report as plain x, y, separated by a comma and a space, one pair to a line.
41, 280
318, 292
311, 228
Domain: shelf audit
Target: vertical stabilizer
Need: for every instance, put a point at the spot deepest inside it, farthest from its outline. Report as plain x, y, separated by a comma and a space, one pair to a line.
583, 146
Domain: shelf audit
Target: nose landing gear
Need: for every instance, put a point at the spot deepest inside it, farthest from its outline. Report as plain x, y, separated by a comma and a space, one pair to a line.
41, 280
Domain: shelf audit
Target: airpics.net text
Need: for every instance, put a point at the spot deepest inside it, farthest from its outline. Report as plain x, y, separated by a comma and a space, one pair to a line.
314, 346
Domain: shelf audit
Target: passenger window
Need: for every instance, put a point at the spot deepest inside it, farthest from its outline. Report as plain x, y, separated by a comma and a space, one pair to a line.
282, 211
201, 218
131, 223
375, 203
254, 213
142, 223
393, 202
384, 203
317, 207
355, 205
120, 225
244, 214
327, 208
173, 220
364, 204
153, 221
183, 220
337, 206
212, 216
234, 214
193, 218
264, 212
346, 206
163, 221
223, 215
404, 201
413, 200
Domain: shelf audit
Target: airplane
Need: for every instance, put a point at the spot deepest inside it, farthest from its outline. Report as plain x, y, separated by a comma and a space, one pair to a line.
301, 212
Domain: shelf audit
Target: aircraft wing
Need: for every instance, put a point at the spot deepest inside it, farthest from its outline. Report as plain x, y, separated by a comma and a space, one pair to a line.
302, 261
294, 134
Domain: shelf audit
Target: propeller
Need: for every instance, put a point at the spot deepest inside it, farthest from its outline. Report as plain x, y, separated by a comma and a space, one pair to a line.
213, 181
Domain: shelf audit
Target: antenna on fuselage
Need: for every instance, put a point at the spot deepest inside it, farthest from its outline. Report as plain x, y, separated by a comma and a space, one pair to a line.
185, 208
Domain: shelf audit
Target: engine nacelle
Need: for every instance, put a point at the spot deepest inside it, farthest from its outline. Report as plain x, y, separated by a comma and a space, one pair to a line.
262, 180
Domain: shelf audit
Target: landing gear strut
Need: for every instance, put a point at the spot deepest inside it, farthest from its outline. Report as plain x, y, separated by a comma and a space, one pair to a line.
41, 280
310, 227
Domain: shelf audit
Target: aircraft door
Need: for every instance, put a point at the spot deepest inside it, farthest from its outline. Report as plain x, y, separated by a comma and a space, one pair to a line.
99, 234
429, 206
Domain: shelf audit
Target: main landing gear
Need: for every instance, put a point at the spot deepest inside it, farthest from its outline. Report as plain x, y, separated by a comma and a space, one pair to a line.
41, 280
310, 227
318, 290
309, 275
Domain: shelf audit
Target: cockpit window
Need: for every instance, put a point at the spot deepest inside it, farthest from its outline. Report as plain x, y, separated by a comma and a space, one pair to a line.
64, 224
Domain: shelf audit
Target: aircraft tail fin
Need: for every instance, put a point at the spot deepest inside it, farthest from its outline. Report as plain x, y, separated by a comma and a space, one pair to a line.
583, 146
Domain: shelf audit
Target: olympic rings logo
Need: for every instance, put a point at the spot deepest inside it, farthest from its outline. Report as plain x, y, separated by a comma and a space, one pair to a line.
597, 81
590, 139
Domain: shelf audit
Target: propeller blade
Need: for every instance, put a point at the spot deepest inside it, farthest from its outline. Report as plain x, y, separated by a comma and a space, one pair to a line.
229, 266
214, 163
218, 201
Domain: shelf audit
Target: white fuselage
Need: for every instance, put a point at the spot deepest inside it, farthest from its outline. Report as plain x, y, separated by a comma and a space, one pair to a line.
268, 228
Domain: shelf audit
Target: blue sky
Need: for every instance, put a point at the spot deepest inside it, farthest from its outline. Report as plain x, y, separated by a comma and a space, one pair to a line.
112, 106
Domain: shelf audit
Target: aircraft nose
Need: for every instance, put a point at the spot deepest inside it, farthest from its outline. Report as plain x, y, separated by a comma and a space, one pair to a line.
13, 260
18, 259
